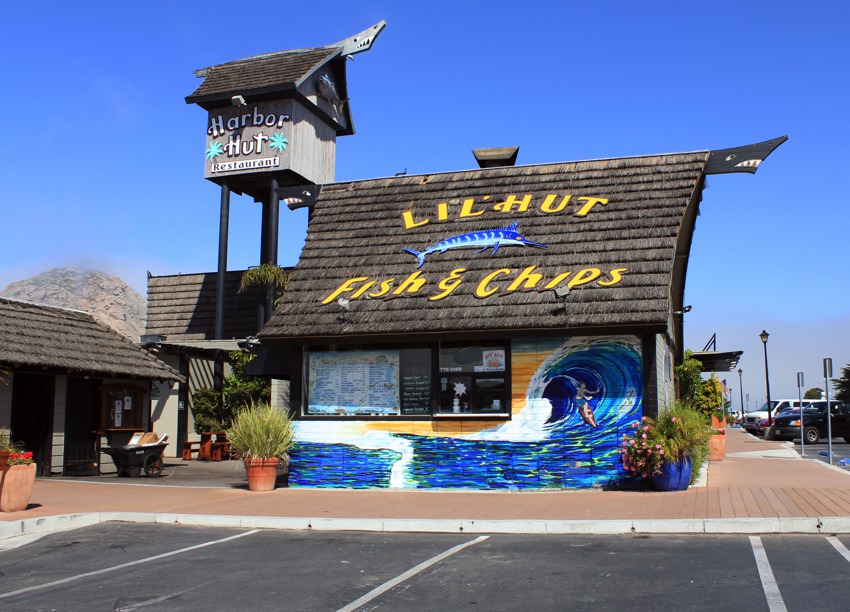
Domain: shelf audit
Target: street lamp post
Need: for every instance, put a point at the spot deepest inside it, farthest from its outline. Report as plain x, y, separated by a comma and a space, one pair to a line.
741, 389
764, 335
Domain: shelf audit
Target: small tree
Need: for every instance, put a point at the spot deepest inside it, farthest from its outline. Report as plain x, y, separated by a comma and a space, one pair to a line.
690, 377
842, 385
214, 411
813, 393
709, 398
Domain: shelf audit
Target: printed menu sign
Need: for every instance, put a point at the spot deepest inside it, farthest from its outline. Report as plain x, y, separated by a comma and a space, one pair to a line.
354, 382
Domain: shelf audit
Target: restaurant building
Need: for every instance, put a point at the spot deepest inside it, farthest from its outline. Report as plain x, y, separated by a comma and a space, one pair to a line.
495, 328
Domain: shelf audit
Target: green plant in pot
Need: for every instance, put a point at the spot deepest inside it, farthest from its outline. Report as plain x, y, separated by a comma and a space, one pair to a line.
6, 447
669, 450
262, 437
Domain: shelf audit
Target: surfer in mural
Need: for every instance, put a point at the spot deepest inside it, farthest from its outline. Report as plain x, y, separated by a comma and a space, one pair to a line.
583, 396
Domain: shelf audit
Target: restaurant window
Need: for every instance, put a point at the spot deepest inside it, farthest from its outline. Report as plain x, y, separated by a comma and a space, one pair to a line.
369, 382
415, 381
473, 378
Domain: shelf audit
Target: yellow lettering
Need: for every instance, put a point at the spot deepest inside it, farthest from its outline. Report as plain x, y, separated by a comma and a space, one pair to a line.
442, 211
549, 206
508, 205
362, 290
557, 280
344, 288
482, 290
526, 279
409, 223
383, 288
584, 277
411, 284
616, 277
466, 209
590, 203
448, 284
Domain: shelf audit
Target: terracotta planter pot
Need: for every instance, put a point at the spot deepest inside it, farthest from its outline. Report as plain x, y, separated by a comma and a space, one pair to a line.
262, 473
4, 457
16, 487
717, 423
717, 448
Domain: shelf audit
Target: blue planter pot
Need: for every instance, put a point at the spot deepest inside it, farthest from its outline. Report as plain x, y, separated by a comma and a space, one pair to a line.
673, 476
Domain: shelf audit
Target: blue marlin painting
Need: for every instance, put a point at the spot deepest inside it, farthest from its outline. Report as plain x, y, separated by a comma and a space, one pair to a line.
484, 239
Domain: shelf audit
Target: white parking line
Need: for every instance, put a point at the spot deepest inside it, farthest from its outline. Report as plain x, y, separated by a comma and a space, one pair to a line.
47, 585
837, 545
408, 574
768, 582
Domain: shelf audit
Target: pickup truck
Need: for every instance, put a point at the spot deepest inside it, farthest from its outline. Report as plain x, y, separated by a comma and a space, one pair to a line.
787, 427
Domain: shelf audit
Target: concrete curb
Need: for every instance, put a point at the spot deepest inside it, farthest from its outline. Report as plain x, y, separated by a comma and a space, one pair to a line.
771, 525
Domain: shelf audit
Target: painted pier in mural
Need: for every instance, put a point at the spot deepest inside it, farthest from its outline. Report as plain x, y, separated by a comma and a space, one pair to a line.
560, 387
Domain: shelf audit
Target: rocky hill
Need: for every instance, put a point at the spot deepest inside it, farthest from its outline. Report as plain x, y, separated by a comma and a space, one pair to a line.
108, 298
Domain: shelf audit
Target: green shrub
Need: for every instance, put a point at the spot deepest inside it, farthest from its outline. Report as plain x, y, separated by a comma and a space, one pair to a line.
260, 431
678, 433
214, 411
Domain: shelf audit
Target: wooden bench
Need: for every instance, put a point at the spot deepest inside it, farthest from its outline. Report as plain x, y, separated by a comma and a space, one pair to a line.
189, 448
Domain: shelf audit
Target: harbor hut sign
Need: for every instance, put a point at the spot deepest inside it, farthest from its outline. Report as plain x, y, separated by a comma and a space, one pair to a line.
249, 138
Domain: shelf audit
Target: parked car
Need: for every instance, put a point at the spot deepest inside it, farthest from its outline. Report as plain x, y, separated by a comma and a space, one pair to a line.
751, 419
815, 426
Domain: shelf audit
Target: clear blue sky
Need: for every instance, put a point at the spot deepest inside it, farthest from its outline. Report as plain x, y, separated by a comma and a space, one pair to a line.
103, 160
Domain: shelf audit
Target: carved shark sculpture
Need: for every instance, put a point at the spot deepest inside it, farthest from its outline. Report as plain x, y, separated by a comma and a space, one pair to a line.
742, 159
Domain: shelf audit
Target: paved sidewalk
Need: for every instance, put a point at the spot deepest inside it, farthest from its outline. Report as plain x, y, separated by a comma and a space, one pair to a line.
760, 487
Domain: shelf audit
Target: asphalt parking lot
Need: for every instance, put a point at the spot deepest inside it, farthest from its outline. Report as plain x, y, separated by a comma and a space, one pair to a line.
120, 566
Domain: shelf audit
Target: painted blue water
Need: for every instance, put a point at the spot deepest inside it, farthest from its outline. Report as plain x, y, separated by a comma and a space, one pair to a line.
569, 453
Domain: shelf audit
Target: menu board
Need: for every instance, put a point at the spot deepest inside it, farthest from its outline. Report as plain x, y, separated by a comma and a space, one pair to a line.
416, 381
353, 382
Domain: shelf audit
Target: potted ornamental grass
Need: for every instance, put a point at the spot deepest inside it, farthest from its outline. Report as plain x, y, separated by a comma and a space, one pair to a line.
669, 450
261, 437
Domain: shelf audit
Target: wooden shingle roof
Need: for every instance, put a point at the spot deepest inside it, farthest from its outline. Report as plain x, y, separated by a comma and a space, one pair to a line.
182, 307
619, 258
35, 337
261, 74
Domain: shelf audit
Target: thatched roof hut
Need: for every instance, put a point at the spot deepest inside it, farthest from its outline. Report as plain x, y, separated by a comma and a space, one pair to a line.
50, 340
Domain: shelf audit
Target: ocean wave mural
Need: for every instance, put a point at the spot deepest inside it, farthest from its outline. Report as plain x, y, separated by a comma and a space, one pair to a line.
573, 398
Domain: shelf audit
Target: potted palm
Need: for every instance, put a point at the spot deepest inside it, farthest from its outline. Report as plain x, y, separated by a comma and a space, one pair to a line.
669, 450
261, 437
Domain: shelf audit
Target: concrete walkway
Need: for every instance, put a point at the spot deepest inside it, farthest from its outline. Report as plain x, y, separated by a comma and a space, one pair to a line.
760, 487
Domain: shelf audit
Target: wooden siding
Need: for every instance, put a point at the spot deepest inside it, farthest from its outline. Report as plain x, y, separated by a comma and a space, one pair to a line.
182, 307
312, 151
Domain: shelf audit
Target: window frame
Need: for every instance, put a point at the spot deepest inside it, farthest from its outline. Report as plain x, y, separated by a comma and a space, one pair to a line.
436, 411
